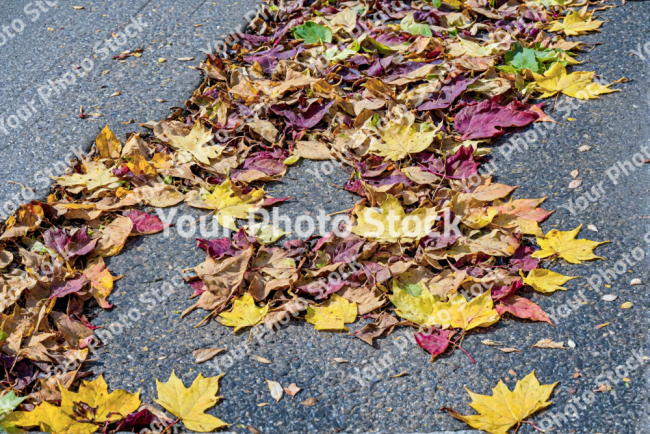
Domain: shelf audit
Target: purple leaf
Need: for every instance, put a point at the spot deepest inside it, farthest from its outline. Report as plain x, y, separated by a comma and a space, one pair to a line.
69, 246
144, 223
447, 94
302, 118
61, 288
217, 248
488, 118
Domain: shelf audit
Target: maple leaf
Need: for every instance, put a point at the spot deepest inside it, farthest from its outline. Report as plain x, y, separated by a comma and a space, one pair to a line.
488, 118
333, 314
505, 408
428, 309
108, 144
393, 224
577, 84
576, 23
191, 143
229, 203
400, 140
546, 281
107, 407
435, 342
244, 313
459, 313
97, 175
522, 308
189, 405
565, 245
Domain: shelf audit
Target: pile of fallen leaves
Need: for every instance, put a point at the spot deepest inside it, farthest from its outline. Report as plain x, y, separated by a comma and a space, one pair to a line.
408, 96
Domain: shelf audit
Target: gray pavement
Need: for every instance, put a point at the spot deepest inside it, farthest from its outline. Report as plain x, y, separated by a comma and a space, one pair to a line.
360, 396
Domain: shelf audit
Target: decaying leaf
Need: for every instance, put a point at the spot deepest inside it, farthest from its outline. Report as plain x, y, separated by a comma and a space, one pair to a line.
276, 390
548, 343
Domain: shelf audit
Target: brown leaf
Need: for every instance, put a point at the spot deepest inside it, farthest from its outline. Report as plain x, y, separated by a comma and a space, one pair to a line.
205, 354
548, 343
292, 389
309, 402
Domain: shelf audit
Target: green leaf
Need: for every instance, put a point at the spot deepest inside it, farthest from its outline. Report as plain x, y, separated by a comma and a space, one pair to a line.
9, 402
167, 179
437, 3
291, 160
3, 336
312, 33
409, 25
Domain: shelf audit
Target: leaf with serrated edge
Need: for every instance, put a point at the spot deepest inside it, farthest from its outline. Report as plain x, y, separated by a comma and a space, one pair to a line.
189, 405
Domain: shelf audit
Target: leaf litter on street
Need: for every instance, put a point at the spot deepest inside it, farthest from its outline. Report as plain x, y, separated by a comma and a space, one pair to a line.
408, 96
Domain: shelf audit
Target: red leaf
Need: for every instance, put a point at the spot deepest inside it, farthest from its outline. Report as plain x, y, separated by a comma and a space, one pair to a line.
435, 342
522, 308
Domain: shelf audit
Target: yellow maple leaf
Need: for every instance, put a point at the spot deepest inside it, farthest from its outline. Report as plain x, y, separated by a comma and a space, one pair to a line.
244, 313
229, 203
456, 312
189, 405
577, 84
194, 143
333, 314
546, 280
459, 313
505, 408
400, 140
140, 166
393, 224
576, 23
50, 418
565, 245
97, 175
108, 144
109, 407
415, 309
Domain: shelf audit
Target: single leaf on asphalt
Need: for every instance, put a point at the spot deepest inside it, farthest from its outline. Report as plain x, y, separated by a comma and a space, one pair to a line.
548, 343
565, 245
276, 390
546, 281
435, 342
576, 23
189, 405
505, 408
333, 314
309, 402
205, 354
577, 84
313, 33
244, 313
522, 308
400, 140
292, 389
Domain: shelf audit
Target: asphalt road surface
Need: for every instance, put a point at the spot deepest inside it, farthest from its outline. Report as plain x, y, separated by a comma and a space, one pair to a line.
359, 396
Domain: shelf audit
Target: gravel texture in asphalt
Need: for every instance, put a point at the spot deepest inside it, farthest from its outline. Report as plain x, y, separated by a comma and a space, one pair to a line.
361, 395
